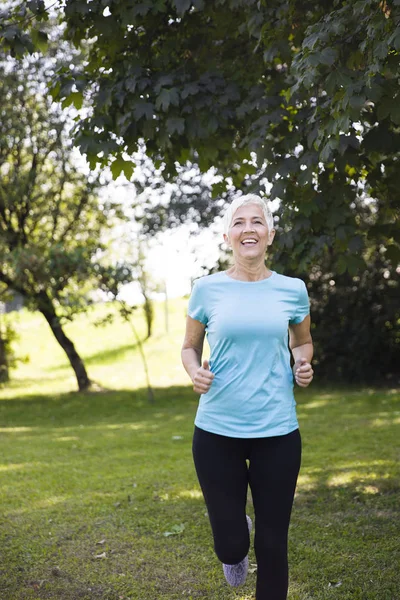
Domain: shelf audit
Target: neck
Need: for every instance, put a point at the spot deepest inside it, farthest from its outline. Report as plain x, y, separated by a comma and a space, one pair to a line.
249, 272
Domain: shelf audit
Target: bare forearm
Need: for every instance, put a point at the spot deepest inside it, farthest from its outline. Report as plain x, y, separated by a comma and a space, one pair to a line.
303, 351
191, 360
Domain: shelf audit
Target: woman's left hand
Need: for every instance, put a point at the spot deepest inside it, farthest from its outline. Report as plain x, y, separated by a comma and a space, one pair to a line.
303, 372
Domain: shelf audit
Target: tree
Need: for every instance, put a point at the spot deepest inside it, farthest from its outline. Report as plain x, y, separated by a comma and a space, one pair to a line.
146, 287
5, 350
110, 280
51, 219
303, 94
8, 335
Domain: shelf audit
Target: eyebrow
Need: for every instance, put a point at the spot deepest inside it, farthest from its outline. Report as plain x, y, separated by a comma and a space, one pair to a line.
241, 218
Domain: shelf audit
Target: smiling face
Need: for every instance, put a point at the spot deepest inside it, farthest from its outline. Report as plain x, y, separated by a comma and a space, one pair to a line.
248, 235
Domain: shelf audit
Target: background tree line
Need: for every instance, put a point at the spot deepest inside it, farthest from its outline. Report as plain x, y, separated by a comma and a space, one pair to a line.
302, 95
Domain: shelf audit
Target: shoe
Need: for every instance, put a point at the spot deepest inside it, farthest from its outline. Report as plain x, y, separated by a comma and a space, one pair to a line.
236, 575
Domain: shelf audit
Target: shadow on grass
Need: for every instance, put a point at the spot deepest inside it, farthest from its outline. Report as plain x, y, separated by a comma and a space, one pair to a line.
105, 401
102, 357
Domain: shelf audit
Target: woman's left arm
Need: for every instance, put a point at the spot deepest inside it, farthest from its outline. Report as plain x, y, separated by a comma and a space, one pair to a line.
301, 345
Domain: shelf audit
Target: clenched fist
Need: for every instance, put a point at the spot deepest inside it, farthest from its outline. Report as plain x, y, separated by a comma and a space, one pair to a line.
203, 378
303, 372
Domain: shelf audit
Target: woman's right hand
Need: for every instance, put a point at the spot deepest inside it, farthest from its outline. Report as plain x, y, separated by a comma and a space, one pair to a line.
203, 378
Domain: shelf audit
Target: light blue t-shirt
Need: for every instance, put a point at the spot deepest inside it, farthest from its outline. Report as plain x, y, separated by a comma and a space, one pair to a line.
247, 329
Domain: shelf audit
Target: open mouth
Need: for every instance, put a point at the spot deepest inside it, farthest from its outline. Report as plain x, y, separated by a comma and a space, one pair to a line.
249, 242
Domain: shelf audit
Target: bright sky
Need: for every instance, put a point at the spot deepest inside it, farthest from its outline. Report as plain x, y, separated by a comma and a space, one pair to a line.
173, 258
179, 257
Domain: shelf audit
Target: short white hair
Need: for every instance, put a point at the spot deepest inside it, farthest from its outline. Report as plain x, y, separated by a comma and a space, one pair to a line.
241, 201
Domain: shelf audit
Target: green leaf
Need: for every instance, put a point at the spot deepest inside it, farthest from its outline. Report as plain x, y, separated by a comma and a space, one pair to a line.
163, 81
141, 8
331, 83
341, 264
310, 41
175, 530
143, 109
182, 6
40, 39
395, 112
357, 102
66, 88
313, 59
393, 254
190, 89
175, 124
131, 84
270, 53
166, 98
36, 6
326, 152
278, 189
355, 243
120, 165
76, 99
312, 136
355, 264
199, 4
328, 56
396, 39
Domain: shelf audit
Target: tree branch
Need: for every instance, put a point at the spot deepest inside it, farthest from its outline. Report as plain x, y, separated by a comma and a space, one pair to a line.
76, 215
11, 284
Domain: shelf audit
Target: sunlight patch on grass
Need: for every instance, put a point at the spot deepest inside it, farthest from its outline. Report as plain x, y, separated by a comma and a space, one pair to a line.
349, 477
15, 429
368, 489
192, 494
18, 467
315, 404
67, 438
306, 482
42, 503
385, 422
312, 470
133, 426
365, 463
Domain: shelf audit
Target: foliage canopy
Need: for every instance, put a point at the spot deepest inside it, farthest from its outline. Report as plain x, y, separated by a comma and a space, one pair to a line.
51, 218
304, 94
301, 94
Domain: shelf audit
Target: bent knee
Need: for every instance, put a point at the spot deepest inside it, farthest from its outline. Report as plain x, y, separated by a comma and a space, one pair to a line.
231, 552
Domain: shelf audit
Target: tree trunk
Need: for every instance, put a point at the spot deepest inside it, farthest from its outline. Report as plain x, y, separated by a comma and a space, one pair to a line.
46, 307
4, 375
148, 313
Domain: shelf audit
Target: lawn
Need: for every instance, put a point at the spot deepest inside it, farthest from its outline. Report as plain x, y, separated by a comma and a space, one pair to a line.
99, 498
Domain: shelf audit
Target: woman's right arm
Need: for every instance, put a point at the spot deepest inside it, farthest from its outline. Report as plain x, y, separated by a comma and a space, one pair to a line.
192, 351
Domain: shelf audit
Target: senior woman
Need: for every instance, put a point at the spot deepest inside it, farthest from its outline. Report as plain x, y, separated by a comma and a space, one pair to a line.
246, 430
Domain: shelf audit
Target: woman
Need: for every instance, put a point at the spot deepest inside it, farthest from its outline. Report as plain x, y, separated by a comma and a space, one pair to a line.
246, 430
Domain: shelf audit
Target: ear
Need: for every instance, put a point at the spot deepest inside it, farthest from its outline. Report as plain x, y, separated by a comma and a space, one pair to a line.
226, 239
271, 236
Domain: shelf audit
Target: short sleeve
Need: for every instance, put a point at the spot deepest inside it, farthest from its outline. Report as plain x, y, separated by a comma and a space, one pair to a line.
196, 308
302, 308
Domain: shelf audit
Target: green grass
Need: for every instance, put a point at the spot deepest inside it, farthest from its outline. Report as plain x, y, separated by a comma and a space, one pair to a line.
106, 474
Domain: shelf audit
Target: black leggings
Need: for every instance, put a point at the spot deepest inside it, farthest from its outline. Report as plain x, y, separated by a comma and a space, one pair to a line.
224, 475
